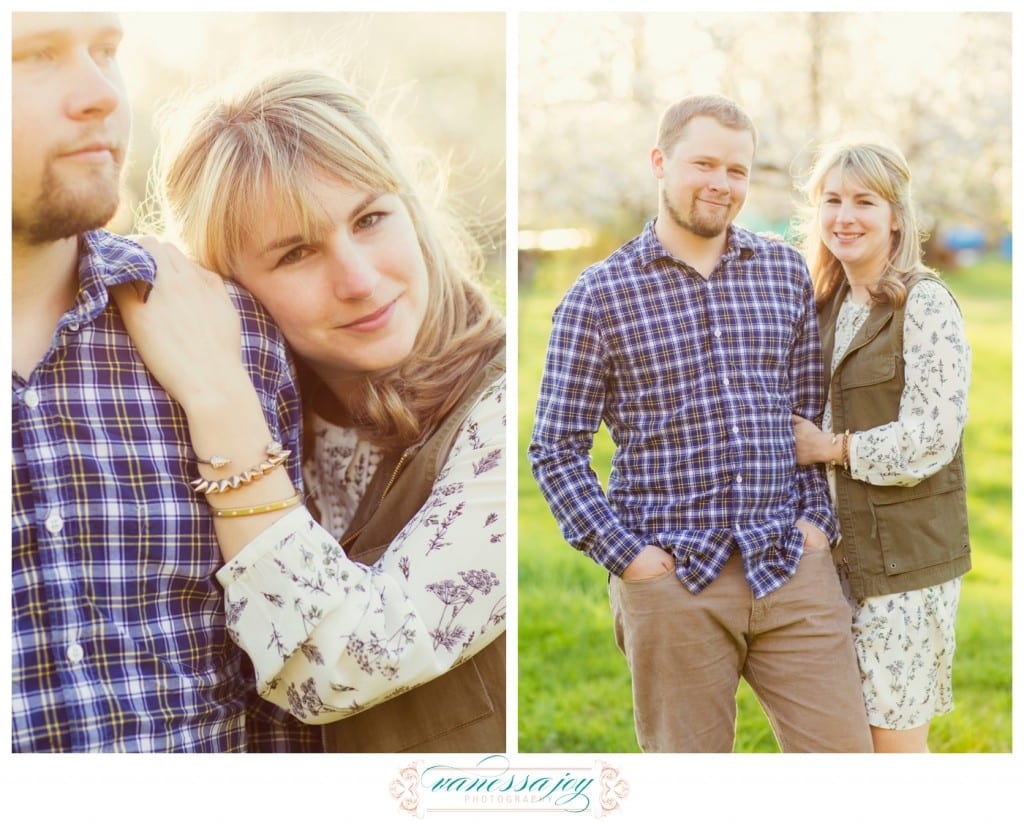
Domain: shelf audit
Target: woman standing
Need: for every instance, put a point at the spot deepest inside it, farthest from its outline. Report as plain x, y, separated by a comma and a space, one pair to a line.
893, 341
290, 189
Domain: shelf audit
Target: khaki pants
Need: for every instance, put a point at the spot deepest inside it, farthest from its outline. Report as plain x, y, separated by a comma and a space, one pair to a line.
687, 652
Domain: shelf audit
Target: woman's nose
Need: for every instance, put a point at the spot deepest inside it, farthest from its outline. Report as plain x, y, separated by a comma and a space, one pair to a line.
353, 273
844, 214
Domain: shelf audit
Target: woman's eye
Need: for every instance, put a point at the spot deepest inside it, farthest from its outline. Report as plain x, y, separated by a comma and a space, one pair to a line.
370, 220
295, 255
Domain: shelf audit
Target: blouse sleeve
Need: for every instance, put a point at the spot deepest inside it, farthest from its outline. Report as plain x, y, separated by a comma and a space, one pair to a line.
329, 637
933, 405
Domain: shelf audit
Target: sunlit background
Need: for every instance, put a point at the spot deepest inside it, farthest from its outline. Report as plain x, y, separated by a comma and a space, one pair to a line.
592, 88
435, 81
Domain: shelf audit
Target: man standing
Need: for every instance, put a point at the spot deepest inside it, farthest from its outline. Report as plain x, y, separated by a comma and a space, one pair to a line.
694, 343
119, 638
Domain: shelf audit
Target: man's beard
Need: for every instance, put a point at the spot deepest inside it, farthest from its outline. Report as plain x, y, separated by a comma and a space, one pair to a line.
695, 223
60, 210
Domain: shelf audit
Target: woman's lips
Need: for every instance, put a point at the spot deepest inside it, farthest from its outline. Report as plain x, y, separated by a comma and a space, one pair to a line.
374, 321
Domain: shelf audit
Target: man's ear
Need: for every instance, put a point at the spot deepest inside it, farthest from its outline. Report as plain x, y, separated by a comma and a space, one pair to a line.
657, 162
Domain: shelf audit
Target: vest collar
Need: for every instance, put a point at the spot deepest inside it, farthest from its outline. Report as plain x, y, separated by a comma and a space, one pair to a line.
879, 317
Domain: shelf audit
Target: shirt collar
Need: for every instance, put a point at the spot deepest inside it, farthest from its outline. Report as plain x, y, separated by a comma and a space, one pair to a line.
741, 244
105, 260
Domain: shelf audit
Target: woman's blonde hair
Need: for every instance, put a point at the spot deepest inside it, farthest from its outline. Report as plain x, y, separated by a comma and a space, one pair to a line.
282, 131
883, 170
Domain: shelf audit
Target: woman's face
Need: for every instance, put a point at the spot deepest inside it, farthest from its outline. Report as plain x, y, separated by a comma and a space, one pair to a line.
856, 225
351, 299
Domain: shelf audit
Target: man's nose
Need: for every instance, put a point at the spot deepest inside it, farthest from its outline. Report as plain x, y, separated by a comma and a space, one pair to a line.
95, 90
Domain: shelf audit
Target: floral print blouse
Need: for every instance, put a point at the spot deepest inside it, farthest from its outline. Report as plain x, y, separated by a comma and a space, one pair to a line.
329, 637
933, 405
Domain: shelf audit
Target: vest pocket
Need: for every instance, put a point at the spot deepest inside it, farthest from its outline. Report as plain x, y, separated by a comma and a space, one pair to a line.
868, 369
465, 706
917, 532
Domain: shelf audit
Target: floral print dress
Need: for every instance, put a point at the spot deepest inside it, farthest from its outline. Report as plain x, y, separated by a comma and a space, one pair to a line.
330, 637
905, 641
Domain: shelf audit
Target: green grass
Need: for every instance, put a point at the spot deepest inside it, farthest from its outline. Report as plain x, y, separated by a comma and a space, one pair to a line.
574, 686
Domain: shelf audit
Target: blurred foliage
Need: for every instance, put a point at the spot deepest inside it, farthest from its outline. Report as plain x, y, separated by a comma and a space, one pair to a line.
592, 88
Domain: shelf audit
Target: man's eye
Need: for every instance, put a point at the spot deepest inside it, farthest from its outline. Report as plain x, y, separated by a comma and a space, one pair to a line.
41, 55
106, 51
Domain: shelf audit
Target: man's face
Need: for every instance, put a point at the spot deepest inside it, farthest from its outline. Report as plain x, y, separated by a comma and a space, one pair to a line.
704, 176
70, 124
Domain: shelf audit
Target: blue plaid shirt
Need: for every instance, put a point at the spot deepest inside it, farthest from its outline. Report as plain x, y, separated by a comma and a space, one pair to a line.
696, 381
119, 641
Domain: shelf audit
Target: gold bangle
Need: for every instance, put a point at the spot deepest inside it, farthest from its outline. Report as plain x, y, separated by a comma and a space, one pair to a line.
266, 508
846, 450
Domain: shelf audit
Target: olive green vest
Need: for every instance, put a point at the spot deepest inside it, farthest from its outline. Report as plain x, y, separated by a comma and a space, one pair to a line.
894, 538
462, 711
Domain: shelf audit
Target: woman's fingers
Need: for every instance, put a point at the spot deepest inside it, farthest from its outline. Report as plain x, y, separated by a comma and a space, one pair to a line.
173, 265
187, 331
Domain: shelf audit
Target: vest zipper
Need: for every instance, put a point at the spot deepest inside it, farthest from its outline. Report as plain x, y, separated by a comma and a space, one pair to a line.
391, 481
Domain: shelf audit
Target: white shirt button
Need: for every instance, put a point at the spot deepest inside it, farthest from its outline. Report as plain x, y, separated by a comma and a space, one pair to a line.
725, 381
73, 326
30, 397
76, 653
54, 522
739, 479
718, 333
735, 429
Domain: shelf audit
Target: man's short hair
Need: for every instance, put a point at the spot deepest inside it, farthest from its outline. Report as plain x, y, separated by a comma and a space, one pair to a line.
678, 115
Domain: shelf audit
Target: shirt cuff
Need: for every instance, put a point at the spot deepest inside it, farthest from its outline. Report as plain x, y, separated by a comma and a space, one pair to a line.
823, 521
617, 550
297, 521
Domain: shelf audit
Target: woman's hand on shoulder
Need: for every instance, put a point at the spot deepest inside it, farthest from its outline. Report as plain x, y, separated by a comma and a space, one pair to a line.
187, 330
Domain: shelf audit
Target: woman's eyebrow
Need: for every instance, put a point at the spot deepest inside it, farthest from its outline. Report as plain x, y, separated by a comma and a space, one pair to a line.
294, 239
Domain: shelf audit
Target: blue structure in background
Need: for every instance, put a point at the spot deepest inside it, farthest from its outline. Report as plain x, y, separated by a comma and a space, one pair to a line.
964, 244
963, 238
